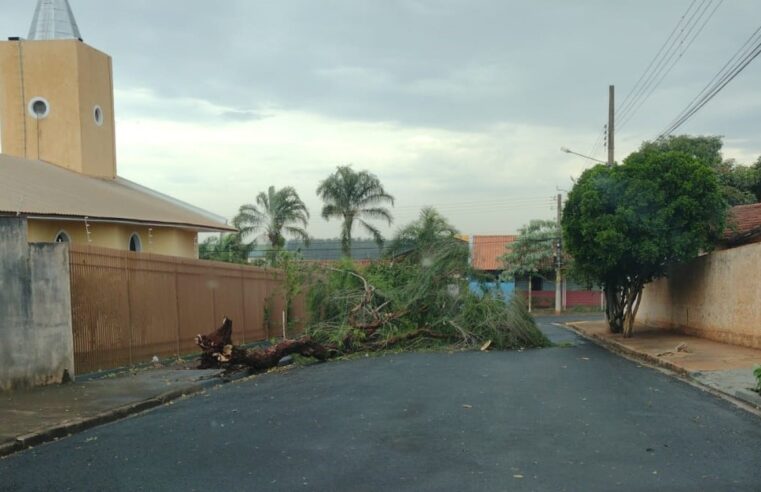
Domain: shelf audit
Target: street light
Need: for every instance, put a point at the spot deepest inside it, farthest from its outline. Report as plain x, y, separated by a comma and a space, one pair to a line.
569, 151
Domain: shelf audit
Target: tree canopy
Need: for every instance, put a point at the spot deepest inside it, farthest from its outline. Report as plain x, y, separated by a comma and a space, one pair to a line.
739, 184
354, 197
533, 251
625, 225
420, 239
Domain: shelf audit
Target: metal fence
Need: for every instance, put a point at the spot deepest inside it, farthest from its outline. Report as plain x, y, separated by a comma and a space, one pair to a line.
128, 307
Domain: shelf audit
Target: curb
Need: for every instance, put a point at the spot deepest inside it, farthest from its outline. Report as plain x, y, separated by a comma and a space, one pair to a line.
70, 427
749, 402
624, 350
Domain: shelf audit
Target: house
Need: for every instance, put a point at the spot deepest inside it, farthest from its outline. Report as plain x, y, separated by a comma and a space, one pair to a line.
743, 225
58, 166
486, 253
715, 295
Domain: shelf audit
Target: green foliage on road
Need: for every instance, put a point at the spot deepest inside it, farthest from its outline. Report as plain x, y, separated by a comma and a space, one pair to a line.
626, 225
417, 298
757, 373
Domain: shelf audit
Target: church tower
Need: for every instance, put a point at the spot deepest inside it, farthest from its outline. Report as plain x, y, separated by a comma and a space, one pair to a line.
56, 96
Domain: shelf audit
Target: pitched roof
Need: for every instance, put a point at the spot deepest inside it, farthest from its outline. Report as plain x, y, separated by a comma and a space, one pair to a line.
743, 222
53, 19
36, 188
487, 250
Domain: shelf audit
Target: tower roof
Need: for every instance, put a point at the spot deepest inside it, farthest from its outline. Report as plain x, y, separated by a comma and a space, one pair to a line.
53, 19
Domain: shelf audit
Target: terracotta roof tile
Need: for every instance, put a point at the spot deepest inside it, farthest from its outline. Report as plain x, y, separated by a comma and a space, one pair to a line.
744, 221
488, 249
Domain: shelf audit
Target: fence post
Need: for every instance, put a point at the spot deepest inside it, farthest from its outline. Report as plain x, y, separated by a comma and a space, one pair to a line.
129, 307
243, 302
177, 303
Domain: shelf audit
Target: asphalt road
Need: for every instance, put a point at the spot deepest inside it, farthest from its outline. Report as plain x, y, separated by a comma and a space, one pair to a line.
567, 418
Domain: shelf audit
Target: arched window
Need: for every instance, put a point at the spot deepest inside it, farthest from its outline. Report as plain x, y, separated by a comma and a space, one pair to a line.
134, 243
62, 237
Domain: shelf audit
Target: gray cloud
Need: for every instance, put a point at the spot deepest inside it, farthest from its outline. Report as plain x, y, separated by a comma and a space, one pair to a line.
443, 63
235, 115
468, 66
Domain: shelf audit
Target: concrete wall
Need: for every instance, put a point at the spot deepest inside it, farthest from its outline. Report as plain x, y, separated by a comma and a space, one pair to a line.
716, 296
36, 343
158, 240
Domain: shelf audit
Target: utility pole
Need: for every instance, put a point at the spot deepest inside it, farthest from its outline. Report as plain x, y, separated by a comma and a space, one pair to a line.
611, 124
558, 262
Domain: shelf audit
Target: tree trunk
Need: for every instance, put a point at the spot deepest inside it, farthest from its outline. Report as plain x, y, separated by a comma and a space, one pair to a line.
346, 235
218, 350
529, 293
632, 306
614, 309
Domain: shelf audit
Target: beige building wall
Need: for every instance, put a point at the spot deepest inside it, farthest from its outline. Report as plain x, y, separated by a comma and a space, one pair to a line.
74, 79
159, 240
716, 296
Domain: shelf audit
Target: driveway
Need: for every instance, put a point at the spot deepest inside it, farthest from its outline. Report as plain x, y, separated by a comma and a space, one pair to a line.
568, 418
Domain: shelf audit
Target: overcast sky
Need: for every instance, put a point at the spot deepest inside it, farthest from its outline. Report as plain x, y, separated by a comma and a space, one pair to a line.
459, 104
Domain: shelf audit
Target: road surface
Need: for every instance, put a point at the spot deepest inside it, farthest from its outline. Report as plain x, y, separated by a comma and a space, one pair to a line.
574, 417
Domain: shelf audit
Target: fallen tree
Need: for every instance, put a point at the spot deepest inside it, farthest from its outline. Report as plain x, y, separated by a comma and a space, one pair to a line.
218, 350
418, 298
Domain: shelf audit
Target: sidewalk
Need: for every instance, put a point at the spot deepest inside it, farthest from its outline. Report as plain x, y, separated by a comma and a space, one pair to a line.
30, 417
725, 368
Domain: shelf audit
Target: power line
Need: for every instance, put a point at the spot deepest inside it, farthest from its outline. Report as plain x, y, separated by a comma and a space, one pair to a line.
594, 151
668, 63
516, 200
373, 247
736, 64
636, 86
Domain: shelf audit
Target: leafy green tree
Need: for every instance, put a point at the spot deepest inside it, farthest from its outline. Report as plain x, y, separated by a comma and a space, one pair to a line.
739, 184
228, 247
533, 251
354, 197
756, 188
277, 212
626, 225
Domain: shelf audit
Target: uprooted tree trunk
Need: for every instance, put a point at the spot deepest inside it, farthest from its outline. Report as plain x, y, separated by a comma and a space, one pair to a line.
621, 306
219, 351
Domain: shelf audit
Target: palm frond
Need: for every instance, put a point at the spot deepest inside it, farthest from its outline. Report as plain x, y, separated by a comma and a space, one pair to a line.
299, 233
374, 232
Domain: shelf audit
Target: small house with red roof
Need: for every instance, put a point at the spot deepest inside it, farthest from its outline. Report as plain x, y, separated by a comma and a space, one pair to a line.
486, 252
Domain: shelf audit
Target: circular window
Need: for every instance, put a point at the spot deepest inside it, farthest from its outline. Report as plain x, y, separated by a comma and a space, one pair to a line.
62, 237
134, 243
39, 108
97, 114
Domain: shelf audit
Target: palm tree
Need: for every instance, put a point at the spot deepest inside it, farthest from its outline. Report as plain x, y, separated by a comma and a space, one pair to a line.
354, 196
275, 212
420, 239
